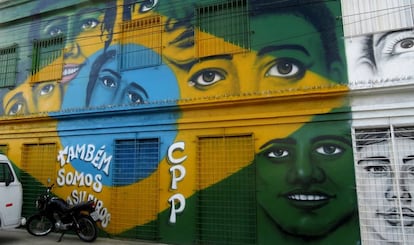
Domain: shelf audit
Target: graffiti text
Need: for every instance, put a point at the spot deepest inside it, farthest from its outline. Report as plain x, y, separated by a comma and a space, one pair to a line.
88, 153
79, 179
82, 196
177, 172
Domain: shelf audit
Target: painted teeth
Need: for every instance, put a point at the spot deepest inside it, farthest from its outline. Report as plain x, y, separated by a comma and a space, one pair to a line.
70, 71
307, 197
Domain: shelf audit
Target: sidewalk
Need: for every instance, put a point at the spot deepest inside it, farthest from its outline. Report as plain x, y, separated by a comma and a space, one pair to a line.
22, 237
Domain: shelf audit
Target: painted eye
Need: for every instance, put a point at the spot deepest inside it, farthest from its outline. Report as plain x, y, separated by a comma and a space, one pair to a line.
278, 153
148, 5
404, 46
286, 68
55, 31
407, 43
16, 109
206, 78
89, 24
54, 27
378, 170
135, 98
329, 150
47, 89
108, 81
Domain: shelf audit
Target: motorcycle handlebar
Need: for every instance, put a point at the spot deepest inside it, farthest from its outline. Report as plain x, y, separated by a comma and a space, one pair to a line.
49, 188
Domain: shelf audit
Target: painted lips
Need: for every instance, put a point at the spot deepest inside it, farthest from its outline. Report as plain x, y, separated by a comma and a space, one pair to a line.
302, 197
308, 200
394, 217
69, 72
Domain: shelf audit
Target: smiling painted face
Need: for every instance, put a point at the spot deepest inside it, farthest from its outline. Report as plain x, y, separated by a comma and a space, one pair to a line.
78, 27
386, 179
306, 180
84, 34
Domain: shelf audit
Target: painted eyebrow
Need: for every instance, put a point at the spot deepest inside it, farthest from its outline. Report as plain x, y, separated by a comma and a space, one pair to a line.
18, 96
138, 87
112, 72
269, 49
60, 18
187, 66
375, 158
288, 141
383, 36
90, 10
217, 57
332, 137
81, 12
53, 22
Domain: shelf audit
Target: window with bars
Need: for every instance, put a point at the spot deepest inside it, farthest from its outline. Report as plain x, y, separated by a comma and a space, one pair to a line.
369, 16
135, 165
222, 28
135, 159
384, 164
38, 166
142, 43
47, 59
8, 66
226, 206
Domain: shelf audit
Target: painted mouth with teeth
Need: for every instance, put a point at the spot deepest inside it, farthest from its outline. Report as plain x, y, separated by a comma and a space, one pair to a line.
70, 71
308, 200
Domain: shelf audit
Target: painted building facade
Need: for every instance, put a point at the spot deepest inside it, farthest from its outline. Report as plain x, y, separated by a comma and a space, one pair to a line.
217, 121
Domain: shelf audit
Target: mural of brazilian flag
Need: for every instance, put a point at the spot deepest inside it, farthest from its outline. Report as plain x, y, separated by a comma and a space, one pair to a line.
196, 122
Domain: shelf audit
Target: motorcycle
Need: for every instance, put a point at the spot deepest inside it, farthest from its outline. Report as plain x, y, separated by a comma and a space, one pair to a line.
57, 215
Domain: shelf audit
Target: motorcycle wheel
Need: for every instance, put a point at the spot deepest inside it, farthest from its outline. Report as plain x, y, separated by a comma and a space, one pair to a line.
39, 225
87, 231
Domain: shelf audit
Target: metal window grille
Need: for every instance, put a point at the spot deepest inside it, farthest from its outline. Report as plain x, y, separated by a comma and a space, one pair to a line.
135, 167
8, 66
47, 59
384, 164
38, 166
369, 16
222, 28
226, 206
147, 33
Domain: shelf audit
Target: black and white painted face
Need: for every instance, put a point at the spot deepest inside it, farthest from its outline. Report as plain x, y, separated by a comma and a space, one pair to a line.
386, 181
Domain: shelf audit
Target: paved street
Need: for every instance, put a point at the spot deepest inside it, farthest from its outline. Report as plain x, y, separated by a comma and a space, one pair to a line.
21, 236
